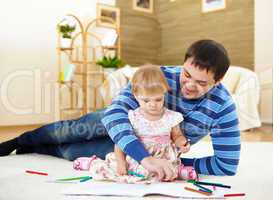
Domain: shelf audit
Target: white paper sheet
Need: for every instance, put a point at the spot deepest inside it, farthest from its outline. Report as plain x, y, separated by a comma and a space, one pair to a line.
137, 190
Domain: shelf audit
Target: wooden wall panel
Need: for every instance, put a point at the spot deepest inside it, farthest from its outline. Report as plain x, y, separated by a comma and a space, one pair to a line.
182, 23
163, 37
140, 35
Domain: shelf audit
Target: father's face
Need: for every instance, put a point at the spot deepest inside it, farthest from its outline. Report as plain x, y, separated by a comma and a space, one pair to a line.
194, 81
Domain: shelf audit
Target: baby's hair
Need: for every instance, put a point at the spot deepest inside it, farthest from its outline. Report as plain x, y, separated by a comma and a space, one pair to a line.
149, 80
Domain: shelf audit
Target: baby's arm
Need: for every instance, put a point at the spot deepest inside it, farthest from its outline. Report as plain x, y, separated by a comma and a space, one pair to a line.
121, 161
179, 139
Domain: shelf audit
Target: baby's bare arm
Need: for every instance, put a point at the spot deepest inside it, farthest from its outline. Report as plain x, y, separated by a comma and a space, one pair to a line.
179, 139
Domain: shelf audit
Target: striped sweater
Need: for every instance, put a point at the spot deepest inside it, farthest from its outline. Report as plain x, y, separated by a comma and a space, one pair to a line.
214, 114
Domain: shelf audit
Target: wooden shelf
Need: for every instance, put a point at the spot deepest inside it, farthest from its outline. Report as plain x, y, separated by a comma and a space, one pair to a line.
110, 47
82, 62
89, 73
66, 82
71, 109
84, 54
64, 49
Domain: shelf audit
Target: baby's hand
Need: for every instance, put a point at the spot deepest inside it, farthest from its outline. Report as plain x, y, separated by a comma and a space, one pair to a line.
122, 168
184, 147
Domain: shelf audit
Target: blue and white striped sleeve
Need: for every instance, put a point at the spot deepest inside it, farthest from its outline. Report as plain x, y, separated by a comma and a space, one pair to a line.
225, 136
118, 126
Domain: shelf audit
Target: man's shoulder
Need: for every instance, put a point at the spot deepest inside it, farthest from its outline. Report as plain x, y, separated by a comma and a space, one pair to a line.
221, 92
171, 69
219, 97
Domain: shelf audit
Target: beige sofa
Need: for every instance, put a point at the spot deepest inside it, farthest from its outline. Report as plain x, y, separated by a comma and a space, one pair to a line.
244, 87
242, 84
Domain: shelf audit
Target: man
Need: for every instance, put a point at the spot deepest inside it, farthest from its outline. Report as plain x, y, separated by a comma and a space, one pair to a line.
196, 92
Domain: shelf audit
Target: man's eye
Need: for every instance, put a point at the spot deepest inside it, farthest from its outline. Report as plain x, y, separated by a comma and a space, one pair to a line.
202, 83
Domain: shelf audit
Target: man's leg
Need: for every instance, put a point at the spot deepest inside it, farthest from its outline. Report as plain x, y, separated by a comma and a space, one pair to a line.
99, 147
84, 128
63, 132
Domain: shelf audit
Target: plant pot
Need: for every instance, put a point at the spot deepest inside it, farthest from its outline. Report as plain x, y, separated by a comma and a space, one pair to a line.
66, 43
109, 70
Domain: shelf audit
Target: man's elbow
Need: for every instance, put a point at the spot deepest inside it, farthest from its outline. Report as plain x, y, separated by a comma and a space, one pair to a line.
227, 170
231, 172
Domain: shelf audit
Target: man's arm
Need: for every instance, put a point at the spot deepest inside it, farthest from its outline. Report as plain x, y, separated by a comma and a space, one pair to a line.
225, 136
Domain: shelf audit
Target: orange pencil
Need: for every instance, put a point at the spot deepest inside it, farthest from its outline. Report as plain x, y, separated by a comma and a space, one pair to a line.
197, 191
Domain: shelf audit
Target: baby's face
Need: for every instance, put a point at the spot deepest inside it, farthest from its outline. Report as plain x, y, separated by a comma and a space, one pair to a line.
151, 104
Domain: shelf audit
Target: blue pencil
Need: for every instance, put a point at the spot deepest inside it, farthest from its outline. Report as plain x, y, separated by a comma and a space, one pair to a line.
203, 188
86, 179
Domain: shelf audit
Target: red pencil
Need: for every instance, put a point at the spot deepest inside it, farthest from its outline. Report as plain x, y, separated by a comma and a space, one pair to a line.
35, 172
235, 195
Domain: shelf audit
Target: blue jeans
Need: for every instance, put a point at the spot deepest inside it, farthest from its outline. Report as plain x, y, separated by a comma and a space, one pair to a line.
70, 139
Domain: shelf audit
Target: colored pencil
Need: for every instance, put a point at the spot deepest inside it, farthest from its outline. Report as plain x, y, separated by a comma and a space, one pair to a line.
35, 172
86, 179
203, 188
197, 191
135, 174
73, 178
235, 195
208, 183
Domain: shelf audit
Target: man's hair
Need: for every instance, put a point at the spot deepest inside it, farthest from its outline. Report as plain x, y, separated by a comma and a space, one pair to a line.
209, 55
149, 80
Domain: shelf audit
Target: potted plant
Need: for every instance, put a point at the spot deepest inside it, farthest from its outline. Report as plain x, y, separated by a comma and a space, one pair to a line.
110, 63
66, 29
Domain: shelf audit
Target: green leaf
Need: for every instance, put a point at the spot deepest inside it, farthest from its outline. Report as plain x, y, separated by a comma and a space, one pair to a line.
66, 30
110, 62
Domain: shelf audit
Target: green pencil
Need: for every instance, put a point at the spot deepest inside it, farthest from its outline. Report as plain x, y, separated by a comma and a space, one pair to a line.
135, 174
73, 178
209, 183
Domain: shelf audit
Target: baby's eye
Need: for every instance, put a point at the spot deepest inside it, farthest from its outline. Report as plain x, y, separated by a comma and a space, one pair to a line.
187, 75
158, 100
146, 101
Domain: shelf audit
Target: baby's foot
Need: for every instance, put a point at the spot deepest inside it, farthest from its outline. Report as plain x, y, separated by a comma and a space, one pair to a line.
187, 173
83, 163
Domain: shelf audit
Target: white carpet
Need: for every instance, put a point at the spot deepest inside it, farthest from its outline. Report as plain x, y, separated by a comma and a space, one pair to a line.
254, 177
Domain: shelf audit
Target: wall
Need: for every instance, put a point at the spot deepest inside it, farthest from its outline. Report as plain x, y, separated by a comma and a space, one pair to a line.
140, 35
263, 56
179, 24
182, 23
28, 63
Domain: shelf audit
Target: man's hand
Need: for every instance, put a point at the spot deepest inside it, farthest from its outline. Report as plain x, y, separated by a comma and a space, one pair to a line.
122, 167
161, 167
